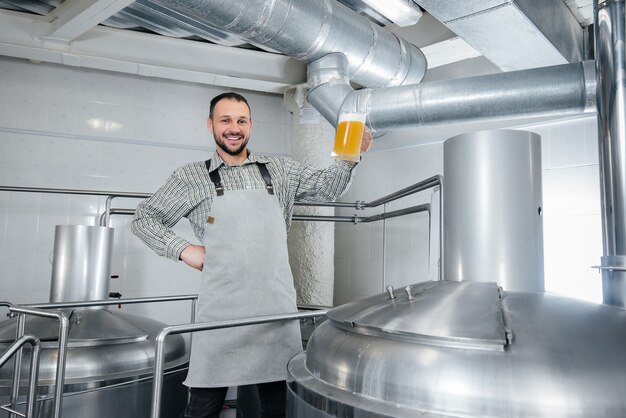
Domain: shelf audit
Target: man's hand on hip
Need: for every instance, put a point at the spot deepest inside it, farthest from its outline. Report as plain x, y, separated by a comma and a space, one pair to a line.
193, 256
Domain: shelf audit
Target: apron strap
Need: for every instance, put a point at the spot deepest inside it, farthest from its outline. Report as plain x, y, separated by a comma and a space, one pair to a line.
266, 177
217, 179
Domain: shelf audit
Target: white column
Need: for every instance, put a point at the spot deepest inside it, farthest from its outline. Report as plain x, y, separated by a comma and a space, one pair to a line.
311, 244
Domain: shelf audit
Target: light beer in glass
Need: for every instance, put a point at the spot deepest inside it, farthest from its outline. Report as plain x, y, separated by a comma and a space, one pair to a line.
348, 136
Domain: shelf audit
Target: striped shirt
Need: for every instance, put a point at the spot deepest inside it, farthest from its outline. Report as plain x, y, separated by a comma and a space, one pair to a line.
189, 193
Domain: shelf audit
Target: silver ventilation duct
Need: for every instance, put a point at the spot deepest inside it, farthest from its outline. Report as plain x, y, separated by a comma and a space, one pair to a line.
611, 75
374, 57
329, 85
309, 30
558, 90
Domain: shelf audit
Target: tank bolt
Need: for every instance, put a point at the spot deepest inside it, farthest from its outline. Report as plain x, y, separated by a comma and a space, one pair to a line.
408, 292
509, 336
390, 291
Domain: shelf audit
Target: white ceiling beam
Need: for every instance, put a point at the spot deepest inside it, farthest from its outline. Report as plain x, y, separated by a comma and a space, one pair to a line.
145, 54
75, 17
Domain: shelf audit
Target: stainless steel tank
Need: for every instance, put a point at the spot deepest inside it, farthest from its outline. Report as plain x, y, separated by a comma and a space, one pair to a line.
493, 229
81, 267
452, 349
110, 354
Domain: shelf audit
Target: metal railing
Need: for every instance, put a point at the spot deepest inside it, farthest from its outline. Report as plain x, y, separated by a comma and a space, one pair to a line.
107, 302
431, 182
16, 351
39, 310
32, 377
159, 356
159, 366
359, 205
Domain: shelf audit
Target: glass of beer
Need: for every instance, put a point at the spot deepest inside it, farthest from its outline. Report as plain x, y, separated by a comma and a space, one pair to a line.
348, 136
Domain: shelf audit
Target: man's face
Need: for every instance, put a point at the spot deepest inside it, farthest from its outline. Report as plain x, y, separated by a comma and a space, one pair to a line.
231, 126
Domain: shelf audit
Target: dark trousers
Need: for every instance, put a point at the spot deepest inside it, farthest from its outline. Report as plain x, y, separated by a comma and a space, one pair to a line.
208, 402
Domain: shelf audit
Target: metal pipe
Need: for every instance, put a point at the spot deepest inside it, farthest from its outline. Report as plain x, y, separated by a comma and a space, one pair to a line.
74, 191
193, 298
84, 304
414, 188
159, 357
62, 350
17, 363
322, 218
16, 349
384, 278
11, 411
400, 212
356, 205
107, 211
111, 194
611, 104
310, 30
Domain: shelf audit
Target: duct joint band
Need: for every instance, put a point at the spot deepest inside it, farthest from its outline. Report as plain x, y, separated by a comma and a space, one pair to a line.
403, 67
589, 76
369, 58
323, 34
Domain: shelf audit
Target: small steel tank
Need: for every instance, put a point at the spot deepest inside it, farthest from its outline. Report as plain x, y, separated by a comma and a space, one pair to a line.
450, 349
110, 354
493, 223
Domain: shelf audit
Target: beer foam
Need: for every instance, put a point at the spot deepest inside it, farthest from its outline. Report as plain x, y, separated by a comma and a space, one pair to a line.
360, 117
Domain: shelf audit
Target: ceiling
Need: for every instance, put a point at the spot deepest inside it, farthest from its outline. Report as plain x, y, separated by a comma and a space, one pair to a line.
139, 37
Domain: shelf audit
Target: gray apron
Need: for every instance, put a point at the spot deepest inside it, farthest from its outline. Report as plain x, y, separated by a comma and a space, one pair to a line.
246, 274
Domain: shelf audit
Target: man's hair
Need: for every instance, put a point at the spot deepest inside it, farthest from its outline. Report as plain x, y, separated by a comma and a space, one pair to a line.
230, 96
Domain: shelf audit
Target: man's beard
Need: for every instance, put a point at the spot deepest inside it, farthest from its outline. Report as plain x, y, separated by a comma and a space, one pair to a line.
234, 152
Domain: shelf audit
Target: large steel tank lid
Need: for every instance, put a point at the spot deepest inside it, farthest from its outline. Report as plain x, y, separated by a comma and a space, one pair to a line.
419, 363
439, 313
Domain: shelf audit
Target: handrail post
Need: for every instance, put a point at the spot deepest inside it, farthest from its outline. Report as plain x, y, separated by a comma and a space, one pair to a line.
107, 211
61, 355
13, 350
441, 237
159, 368
17, 363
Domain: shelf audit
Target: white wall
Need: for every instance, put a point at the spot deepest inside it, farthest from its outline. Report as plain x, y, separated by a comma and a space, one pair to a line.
64, 127
360, 268
572, 229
